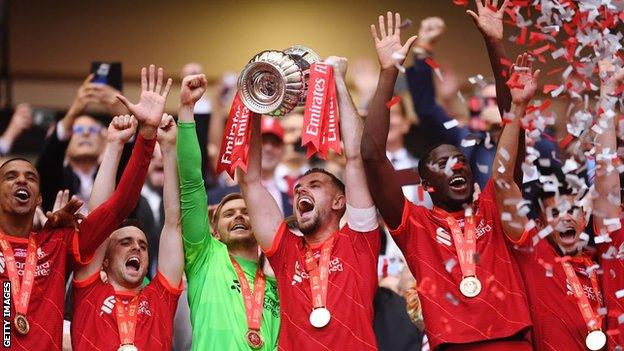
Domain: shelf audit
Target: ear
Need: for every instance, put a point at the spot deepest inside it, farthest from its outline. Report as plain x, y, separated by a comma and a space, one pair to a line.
339, 202
105, 264
216, 233
39, 200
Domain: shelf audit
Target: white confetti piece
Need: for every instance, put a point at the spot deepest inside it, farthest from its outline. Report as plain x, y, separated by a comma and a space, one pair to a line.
545, 232
468, 142
451, 124
504, 154
619, 294
449, 264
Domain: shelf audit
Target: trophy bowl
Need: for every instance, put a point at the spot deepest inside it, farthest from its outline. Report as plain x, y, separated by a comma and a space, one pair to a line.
275, 82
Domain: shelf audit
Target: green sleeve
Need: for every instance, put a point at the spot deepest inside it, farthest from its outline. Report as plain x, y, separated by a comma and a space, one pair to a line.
196, 230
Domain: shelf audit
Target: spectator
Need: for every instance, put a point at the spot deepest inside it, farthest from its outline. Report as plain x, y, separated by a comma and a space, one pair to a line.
21, 120
70, 156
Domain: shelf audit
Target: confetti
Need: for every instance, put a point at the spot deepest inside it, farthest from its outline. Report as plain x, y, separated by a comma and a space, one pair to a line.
451, 124
395, 100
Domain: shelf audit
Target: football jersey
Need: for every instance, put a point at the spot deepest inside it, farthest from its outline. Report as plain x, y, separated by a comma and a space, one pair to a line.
94, 324
350, 291
499, 311
557, 320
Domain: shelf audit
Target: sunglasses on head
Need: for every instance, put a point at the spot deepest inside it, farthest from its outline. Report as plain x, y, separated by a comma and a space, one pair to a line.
88, 130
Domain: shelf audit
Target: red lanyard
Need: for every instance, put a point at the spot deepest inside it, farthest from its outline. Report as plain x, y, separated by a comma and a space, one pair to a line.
126, 320
592, 319
465, 244
21, 292
319, 273
253, 302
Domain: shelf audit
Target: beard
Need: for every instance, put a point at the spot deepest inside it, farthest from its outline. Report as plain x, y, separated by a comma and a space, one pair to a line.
310, 226
236, 243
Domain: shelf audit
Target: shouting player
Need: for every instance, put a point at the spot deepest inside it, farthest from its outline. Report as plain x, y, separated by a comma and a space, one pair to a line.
471, 292
42, 258
326, 278
563, 285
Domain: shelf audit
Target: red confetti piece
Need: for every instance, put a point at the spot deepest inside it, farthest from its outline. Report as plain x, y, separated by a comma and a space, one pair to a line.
457, 166
432, 63
549, 87
505, 62
522, 37
463, 3
395, 100
541, 50
554, 71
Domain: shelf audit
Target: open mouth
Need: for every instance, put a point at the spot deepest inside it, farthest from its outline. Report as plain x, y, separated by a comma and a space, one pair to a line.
239, 226
457, 182
133, 264
84, 143
305, 205
22, 195
568, 236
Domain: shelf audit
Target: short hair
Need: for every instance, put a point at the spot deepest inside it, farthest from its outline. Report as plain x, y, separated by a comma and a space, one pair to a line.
227, 198
12, 159
422, 164
132, 222
337, 182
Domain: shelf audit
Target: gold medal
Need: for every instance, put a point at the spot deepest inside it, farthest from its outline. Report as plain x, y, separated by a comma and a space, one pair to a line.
596, 340
127, 347
254, 339
470, 286
21, 324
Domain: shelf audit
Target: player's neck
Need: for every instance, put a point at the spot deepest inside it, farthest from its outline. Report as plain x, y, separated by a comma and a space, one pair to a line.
120, 288
18, 226
323, 233
247, 252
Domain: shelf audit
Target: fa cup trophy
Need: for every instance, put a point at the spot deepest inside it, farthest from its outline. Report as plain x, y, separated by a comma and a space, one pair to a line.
275, 82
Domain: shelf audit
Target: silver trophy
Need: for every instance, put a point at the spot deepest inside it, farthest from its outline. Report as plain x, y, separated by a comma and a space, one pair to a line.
275, 82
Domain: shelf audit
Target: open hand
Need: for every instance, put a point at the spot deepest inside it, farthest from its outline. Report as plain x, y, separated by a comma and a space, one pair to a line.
525, 86
121, 129
488, 19
193, 88
388, 42
65, 212
151, 104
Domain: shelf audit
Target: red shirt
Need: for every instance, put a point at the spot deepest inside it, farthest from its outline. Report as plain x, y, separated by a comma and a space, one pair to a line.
611, 258
499, 311
557, 320
94, 325
59, 250
351, 288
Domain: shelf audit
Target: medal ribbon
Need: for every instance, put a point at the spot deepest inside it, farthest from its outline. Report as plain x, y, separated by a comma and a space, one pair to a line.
21, 291
321, 120
236, 138
253, 302
319, 273
592, 319
465, 244
126, 320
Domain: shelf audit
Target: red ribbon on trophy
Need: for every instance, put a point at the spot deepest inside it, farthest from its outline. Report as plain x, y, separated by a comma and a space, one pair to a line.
321, 120
236, 139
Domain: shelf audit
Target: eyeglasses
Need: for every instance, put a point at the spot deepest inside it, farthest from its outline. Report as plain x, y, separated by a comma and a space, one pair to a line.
88, 130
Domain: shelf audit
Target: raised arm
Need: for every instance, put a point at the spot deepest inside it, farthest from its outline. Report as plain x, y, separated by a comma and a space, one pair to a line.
264, 212
607, 178
21, 120
120, 130
106, 218
170, 251
507, 151
193, 199
489, 21
384, 188
351, 131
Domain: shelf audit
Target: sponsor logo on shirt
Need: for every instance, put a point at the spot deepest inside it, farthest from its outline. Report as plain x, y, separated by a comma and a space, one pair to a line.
270, 303
335, 265
444, 237
588, 290
108, 306
43, 269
